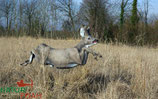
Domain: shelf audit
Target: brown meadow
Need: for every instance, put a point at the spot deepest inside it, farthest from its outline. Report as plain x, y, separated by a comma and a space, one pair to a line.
124, 72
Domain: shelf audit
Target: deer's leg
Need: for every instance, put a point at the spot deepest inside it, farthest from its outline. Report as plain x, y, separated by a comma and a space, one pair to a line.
48, 63
93, 53
29, 61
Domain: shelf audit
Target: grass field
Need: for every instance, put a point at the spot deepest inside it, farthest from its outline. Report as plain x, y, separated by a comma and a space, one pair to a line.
124, 72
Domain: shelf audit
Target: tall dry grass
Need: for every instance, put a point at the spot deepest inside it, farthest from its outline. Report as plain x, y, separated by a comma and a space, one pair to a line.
123, 73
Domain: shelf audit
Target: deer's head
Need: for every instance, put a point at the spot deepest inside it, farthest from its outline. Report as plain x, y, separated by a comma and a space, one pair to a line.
89, 41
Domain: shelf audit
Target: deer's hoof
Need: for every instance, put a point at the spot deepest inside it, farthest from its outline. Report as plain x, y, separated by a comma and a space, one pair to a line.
96, 58
101, 56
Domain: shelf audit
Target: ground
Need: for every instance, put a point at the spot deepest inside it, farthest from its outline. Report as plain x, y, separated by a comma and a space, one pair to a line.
124, 72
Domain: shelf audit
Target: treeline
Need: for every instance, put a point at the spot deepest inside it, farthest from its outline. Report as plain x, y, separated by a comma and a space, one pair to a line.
109, 20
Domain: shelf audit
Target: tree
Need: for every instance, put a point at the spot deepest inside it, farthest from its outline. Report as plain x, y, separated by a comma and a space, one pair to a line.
54, 14
134, 23
95, 13
21, 13
123, 6
146, 11
6, 7
30, 13
66, 25
134, 17
67, 8
43, 16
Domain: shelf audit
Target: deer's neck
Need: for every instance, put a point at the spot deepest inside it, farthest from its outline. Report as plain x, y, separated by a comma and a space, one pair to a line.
80, 45
84, 55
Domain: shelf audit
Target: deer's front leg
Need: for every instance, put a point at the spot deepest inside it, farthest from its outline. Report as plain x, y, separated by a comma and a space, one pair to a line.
93, 53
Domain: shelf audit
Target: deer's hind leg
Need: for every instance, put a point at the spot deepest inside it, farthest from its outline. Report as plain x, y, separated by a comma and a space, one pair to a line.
32, 56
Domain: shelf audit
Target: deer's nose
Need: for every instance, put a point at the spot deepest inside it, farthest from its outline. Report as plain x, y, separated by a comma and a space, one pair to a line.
96, 40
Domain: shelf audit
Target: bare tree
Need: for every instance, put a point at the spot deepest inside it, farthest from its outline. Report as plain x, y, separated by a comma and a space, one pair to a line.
67, 7
44, 16
21, 12
146, 11
54, 14
6, 7
96, 14
30, 14
15, 15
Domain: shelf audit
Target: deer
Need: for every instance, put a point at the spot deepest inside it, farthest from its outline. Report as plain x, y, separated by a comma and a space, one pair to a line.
64, 58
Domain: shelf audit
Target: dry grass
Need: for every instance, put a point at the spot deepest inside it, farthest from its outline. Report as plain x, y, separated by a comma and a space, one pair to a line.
123, 73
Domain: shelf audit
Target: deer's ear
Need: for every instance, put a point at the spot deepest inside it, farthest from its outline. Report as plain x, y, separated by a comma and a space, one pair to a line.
88, 28
85, 27
88, 31
81, 27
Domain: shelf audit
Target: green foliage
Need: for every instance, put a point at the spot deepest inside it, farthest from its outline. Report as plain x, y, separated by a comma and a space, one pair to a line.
134, 22
134, 17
